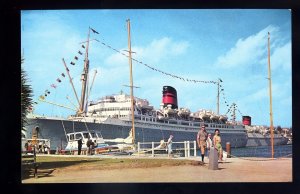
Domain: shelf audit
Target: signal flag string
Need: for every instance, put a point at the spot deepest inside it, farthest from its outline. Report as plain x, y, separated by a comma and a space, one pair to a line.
154, 69
61, 77
165, 73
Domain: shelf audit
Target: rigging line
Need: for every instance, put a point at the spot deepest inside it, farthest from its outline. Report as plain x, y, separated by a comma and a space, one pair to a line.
84, 118
64, 130
95, 73
171, 75
72, 103
70, 79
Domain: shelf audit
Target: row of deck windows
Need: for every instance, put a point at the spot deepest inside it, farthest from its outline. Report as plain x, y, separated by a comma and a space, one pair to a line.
114, 109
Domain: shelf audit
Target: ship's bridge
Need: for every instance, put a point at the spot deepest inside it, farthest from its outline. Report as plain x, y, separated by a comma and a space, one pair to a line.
117, 106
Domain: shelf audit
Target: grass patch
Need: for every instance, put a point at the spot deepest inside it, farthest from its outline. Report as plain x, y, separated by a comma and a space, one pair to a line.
106, 163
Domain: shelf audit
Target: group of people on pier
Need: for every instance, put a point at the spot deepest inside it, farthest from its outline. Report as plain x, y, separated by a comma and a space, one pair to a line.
206, 143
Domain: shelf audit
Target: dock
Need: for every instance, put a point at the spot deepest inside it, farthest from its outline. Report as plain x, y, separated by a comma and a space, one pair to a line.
141, 169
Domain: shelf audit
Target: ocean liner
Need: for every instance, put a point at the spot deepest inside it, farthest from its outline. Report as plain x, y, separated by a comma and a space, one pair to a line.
123, 116
111, 117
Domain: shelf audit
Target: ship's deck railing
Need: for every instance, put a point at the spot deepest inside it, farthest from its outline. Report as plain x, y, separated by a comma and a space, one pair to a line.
185, 148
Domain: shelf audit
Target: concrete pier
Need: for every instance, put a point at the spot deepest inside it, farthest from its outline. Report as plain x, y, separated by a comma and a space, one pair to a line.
231, 170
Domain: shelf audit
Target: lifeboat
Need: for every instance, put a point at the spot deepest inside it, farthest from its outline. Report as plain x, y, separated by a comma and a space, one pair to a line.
223, 118
160, 115
204, 115
193, 115
214, 117
169, 111
183, 112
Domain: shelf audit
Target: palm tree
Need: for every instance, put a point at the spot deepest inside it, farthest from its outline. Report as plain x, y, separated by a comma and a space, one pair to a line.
26, 94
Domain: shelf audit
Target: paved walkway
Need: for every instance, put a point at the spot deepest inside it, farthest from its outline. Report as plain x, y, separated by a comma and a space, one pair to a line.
232, 170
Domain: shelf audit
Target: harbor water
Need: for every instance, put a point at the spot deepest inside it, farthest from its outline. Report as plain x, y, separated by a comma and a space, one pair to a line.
258, 151
263, 151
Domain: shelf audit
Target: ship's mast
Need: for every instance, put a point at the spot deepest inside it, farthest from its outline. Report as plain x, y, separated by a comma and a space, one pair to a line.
270, 94
218, 96
131, 82
84, 76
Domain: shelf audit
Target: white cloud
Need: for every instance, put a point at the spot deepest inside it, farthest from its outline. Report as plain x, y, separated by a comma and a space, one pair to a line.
259, 95
246, 51
263, 94
282, 58
117, 59
157, 50
162, 48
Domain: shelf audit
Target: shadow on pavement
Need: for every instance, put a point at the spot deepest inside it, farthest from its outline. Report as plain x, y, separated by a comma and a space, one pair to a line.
46, 168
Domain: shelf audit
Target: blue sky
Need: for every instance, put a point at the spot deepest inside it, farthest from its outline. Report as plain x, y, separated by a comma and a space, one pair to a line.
194, 44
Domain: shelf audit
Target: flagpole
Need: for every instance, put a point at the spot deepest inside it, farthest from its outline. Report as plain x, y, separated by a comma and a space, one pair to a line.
270, 94
131, 83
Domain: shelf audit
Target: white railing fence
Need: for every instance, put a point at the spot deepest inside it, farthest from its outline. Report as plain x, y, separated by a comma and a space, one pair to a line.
160, 148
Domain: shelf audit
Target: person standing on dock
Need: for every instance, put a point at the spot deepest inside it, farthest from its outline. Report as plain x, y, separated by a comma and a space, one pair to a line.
169, 145
89, 146
79, 142
201, 140
217, 143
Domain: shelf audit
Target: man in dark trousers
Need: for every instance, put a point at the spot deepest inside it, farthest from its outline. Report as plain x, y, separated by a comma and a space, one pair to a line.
79, 146
201, 140
89, 146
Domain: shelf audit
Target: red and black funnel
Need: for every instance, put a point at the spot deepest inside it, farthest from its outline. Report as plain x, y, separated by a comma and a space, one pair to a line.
169, 96
246, 120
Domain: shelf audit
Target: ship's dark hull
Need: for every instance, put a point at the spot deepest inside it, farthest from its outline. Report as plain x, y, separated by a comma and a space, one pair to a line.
55, 130
260, 140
